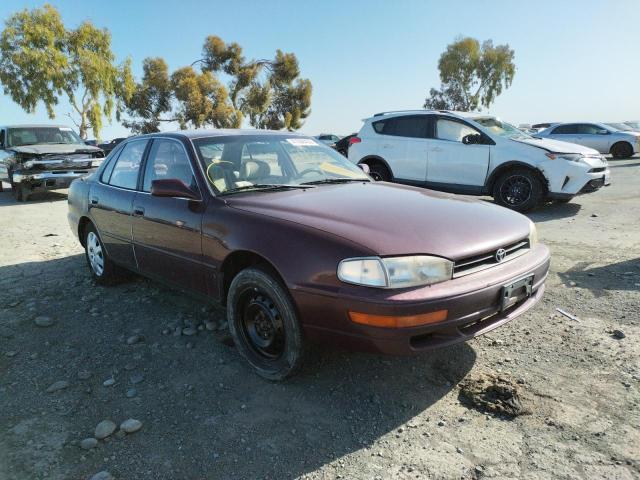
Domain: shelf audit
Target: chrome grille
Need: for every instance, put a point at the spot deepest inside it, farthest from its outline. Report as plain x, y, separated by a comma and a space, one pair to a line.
488, 259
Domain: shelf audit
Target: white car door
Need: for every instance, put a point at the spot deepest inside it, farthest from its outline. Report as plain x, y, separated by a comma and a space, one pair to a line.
594, 136
453, 162
403, 145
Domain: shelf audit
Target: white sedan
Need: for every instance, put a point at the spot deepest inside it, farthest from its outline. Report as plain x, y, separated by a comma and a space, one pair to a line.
599, 136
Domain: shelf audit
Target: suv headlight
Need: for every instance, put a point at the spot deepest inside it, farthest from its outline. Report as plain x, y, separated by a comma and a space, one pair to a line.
571, 157
533, 234
395, 272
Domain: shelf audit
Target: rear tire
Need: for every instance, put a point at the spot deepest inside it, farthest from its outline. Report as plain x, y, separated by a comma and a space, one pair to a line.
264, 324
103, 270
379, 171
622, 150
519, 189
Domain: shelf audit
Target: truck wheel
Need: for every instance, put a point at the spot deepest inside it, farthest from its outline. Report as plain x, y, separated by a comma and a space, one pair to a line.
21, 192
264, 324
519, 189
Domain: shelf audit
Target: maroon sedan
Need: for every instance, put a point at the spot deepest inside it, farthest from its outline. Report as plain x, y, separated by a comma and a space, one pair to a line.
301, 245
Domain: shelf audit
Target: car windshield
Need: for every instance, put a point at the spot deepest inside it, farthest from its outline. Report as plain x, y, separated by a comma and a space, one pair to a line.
620, 126
498, 127
272, 162
18, 137
635, 125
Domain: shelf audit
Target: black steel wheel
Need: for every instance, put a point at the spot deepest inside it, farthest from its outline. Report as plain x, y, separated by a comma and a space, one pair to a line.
519, 189
264, 324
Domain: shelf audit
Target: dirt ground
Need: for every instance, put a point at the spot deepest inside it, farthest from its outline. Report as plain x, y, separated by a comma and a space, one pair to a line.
348, 415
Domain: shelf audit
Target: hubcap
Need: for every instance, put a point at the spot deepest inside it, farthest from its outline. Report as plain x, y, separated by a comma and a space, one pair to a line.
516, 190
262, 324
94, 252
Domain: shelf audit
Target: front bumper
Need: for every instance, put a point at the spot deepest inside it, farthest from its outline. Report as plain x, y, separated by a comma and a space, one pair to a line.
473, 303
51, 180
568, 179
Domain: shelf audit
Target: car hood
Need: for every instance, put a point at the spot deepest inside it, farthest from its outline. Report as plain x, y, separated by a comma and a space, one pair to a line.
557, 146
390, 219
47, 148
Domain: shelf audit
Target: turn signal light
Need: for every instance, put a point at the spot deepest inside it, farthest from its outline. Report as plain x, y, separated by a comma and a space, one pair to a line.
386, 321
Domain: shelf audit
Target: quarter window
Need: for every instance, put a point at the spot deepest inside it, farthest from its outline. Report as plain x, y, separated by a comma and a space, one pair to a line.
168, 160
453, 131
125, 171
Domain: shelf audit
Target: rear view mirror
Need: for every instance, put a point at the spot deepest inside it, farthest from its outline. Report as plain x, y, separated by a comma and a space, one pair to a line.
472, 139
172, 187
365, 168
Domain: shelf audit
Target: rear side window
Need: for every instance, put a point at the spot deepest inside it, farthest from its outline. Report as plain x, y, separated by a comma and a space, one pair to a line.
127, 166
565, 130
415, 126
453, 131
588, 129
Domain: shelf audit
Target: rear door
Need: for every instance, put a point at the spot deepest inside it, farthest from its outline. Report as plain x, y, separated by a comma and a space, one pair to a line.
453, 163
111, 201
404, 145
167, 232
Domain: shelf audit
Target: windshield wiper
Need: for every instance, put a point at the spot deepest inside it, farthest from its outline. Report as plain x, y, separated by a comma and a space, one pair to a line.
328, 181
266, 186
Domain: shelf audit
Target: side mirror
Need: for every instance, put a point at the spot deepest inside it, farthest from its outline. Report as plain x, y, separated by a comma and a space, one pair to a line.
172, 187
603, 132
472, 139
365, 168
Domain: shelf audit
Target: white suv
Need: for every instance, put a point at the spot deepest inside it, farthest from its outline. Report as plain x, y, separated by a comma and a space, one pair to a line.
475, 154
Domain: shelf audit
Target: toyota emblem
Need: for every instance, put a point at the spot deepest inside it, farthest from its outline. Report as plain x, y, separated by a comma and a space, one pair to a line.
500, 254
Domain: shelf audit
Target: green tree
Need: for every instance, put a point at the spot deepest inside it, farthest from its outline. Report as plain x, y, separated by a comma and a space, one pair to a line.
472, 75
40, 60
269, 92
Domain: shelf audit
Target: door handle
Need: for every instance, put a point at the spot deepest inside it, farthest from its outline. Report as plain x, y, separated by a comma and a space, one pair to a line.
386, 145
436, 149
138, 212
94, 200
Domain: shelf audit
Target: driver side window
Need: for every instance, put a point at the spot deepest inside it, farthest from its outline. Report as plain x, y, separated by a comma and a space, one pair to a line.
168, 160
453, 131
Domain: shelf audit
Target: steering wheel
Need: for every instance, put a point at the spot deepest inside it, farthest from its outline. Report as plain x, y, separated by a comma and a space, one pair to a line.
311, 170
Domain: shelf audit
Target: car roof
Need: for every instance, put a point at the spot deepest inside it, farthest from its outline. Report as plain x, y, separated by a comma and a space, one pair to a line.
35, 125
219, 132
452, 113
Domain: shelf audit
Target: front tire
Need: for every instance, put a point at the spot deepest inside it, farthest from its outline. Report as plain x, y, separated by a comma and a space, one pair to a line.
622, 150
519, 189
103, 270
264, 324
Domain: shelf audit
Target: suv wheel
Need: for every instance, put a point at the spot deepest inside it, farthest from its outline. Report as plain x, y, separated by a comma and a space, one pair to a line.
379, 172
519, 189
103, 270
264, 324
622, 150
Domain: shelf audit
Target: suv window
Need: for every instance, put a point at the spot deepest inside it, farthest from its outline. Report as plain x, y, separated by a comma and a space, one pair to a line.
571, 129
452, 130
167, 159
125, 171
413, 126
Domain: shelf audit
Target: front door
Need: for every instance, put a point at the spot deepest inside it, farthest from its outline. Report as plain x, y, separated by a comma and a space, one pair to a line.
167, 232
594, 136
453, 163
111, 202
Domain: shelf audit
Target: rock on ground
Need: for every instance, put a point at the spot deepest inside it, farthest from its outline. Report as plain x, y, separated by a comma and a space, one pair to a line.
131, 425
104, 429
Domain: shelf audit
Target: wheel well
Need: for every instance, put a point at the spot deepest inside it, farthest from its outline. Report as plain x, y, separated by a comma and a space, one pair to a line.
238, 261
512, 166
82, 225
377, 160
619, 143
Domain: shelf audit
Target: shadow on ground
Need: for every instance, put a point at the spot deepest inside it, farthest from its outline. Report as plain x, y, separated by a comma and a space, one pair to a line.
616, 276
554, 211
7, 198
205, 414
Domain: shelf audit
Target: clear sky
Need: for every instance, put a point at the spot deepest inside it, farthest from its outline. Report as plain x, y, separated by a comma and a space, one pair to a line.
576, 60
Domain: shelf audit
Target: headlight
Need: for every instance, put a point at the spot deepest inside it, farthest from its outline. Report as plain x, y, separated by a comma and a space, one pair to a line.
533, 234
396, 272
571, 157
28, 164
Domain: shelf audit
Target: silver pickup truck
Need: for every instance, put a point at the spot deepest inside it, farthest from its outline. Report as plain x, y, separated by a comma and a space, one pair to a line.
43, 157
